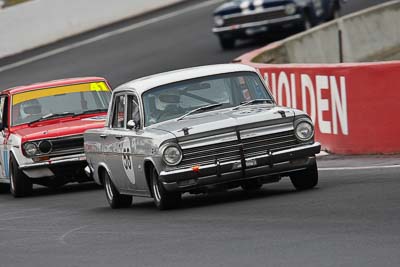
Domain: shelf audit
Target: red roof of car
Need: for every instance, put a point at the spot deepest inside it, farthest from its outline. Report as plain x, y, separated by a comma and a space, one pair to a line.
55, 83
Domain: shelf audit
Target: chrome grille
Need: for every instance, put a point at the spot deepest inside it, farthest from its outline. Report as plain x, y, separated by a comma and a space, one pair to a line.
209, 154
254, 17
206, 150
67, 145
273, 142
227, 147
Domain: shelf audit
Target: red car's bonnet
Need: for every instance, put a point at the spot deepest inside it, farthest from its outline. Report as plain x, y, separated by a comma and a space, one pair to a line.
58, 128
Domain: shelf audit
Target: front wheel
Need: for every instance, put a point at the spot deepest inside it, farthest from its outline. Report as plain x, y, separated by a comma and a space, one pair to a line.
162, 198
114, 198
335, 11
307, 179
227, 43
307, 24
20, 186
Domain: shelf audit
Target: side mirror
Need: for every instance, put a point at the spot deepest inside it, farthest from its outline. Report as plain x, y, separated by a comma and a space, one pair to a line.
131, 125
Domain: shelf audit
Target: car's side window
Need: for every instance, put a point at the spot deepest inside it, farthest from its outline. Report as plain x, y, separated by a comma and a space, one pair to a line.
133, 112
118, 119
3, 111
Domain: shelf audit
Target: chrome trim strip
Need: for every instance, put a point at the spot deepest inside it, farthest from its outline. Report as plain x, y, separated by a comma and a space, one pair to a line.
266, 130
271, 141
256, 12
60, 160
291, 150
254, 24
226, 148
255, 147
208, 140
62, 138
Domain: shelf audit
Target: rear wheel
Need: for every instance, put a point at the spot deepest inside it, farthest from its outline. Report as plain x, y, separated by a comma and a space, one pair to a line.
20, 186
114, 198
227, 43
162, 198
306, 179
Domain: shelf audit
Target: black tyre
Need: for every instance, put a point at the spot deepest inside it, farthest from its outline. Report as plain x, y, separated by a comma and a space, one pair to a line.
307, 23
306, 179
20, 185
227, 43
162, 198
251, 186
334, 10
4, 188
114, 198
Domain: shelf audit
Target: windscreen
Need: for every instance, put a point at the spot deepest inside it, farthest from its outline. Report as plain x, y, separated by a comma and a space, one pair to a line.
224, 90
72, 99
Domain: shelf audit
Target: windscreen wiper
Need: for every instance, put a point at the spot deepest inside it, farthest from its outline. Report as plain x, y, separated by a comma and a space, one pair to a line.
98, 110
200, 109
255, 101
52, 116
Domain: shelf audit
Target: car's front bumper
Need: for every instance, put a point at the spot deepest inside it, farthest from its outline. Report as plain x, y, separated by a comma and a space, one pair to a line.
252, 28
281, 162
59, 166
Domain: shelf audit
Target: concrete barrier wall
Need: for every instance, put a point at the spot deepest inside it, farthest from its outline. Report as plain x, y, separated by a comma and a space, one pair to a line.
367, 35
40, 22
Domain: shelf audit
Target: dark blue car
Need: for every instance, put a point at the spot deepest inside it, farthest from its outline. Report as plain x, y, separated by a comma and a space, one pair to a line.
241, 19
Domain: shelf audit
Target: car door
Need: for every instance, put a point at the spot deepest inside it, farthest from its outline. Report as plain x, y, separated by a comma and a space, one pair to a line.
119, 161
137, 146
4, 149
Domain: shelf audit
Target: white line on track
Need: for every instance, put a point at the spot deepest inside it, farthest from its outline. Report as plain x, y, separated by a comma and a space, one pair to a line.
359, 168
62, 238
107, 35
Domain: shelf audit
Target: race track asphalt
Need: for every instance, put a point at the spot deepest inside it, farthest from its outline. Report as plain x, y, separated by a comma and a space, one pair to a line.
351, 218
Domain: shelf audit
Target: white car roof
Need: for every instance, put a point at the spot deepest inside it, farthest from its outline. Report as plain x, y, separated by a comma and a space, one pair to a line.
143, 84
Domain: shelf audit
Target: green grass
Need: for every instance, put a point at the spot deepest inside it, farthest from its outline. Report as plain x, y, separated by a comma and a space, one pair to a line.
13, 2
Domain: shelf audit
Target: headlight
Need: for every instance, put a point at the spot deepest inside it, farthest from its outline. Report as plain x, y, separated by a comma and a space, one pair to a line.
290, 9
30, 149
304, 131
45, 147
218, 20
172, 155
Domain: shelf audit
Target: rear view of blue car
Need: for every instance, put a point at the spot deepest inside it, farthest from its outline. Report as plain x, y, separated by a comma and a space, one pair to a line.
242, 19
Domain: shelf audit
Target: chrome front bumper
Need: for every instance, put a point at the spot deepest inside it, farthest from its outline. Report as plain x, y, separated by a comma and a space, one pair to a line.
42, 169
256, 24
284, 161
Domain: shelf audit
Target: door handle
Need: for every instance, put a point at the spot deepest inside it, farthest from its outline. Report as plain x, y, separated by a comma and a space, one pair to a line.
118, 137
103, 136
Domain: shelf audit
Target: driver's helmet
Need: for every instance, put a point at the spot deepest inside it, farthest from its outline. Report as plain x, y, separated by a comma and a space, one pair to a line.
30, 108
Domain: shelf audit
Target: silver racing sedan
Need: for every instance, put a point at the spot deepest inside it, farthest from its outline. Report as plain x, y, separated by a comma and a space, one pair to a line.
195, 130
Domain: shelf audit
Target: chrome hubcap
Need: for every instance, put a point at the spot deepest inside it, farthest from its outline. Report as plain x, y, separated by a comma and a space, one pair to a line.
12, 181
109, 192
156, 190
